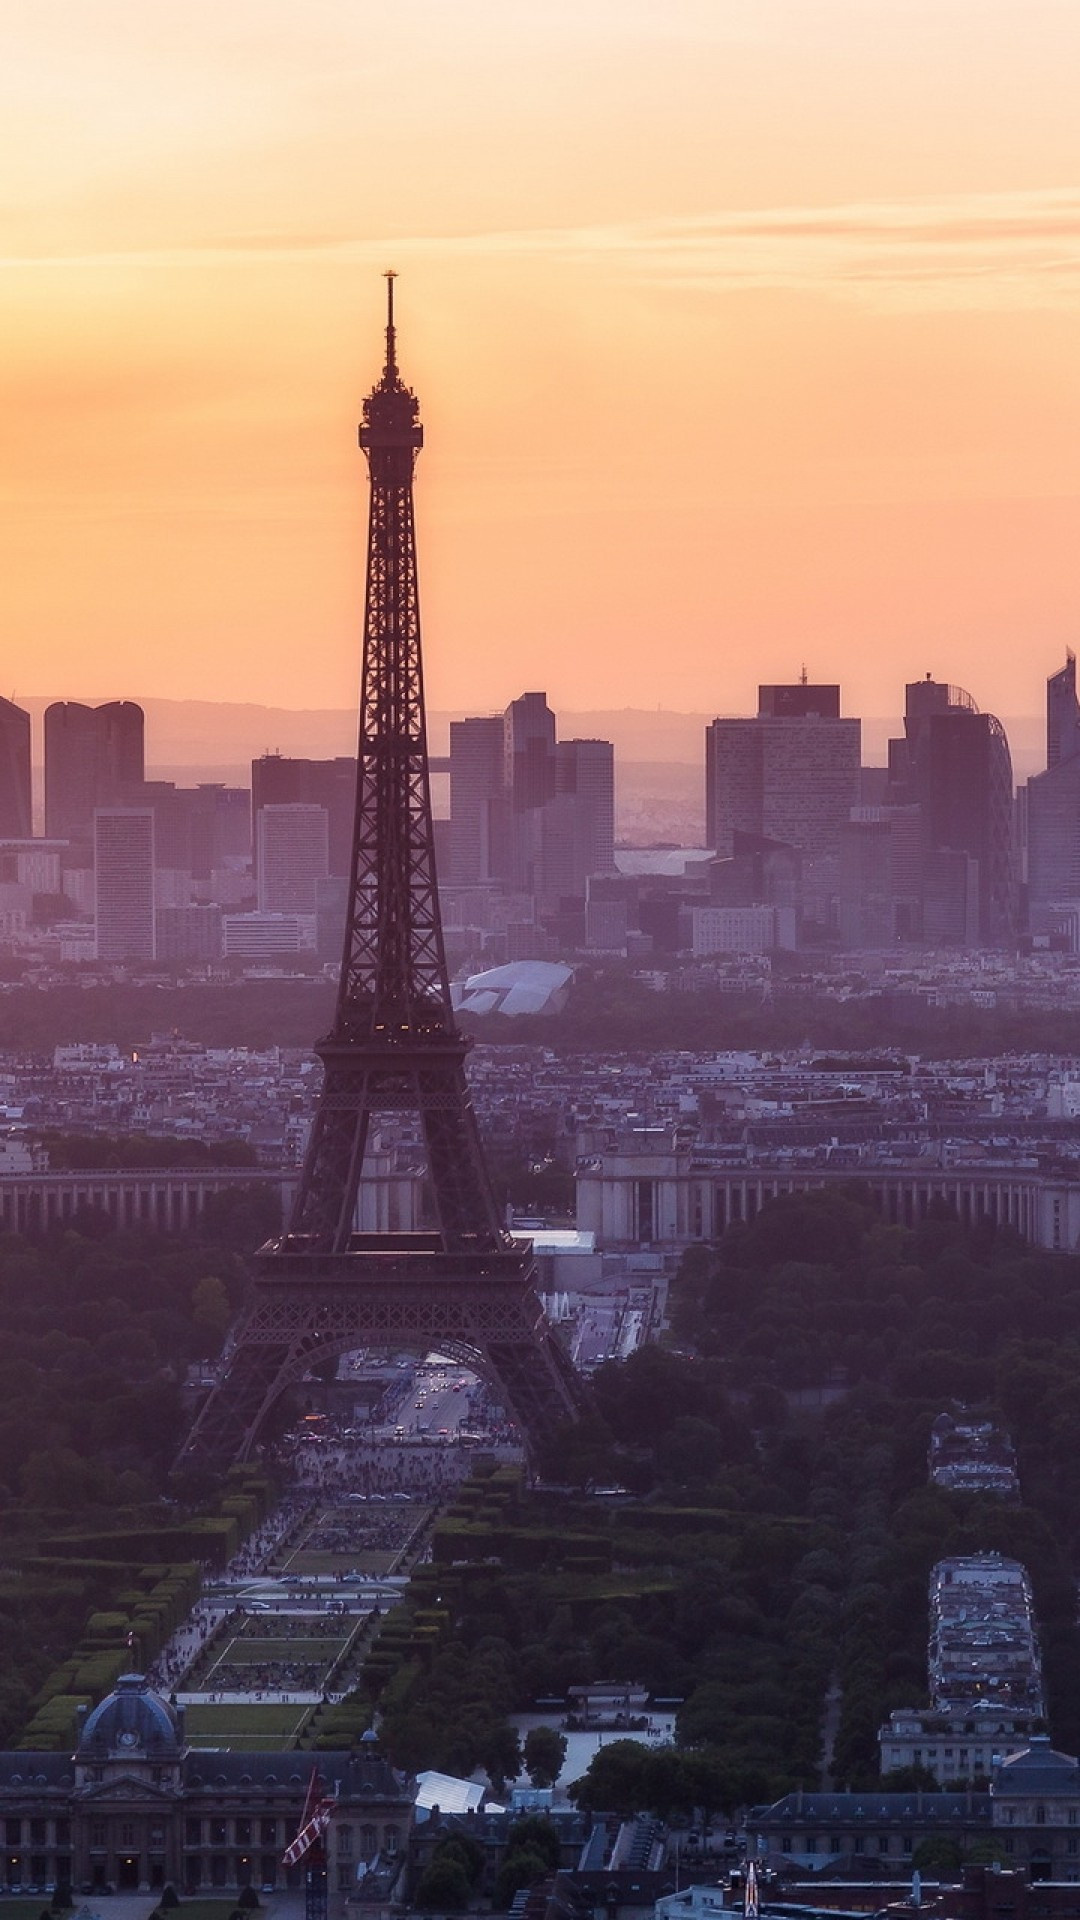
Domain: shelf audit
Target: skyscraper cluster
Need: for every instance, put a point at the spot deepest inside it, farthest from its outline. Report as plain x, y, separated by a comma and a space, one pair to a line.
805, 846
923, 851
788, 776
133, 871
532, 825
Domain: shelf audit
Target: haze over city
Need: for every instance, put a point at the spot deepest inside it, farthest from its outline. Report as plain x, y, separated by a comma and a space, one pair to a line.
745, 334
540, 1230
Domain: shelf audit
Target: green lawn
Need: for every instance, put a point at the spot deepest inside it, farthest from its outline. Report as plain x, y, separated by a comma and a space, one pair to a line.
222, 1725
245, 1651
237, 1743
306, 1560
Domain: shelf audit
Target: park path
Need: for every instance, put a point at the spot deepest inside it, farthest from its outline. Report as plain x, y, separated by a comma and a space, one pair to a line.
830, 1727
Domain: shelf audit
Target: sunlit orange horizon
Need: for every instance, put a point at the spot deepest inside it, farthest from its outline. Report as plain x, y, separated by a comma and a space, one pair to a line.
745, 333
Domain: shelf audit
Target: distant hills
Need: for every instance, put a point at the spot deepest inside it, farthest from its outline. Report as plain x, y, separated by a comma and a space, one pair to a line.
190, 740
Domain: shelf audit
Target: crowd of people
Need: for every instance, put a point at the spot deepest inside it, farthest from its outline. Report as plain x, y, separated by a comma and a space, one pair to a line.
290, 1626
349, 1495
363, 1530
342, 1467
184, 1648
278, 1678
180, 1654
262, 1546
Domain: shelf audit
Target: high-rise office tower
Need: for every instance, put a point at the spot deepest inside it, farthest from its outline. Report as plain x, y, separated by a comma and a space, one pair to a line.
1053, 805
954, 764
171, 808
790, 774
1062, 714
585, 774
528, 812
881, 877
279, 781
529, 772
478, 802
15, 789
197, 830
220, 827
293, 856
124, 883
94, 756
529, 741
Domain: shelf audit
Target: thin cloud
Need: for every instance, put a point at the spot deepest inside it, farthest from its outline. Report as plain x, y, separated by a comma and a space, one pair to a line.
972, 250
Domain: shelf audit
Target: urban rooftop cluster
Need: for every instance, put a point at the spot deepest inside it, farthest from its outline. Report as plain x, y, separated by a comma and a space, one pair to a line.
806, 849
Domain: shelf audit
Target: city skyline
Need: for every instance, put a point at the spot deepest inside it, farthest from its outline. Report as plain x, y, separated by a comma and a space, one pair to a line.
746, 334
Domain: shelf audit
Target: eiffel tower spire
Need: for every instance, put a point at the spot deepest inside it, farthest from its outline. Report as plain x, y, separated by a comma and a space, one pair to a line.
466, 1287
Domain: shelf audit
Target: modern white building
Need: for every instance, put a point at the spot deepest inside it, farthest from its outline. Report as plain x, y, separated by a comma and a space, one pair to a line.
741, 929
262, 936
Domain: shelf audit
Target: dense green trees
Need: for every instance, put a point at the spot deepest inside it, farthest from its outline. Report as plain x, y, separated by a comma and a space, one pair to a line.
444, 1884
608, 1008
819, 1294
625, 1777
778, 1546
96, 1333
532, 1852
244, 1013
544, 1752
98, 1150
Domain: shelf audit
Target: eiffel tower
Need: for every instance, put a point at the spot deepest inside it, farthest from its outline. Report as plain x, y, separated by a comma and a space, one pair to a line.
466, 1289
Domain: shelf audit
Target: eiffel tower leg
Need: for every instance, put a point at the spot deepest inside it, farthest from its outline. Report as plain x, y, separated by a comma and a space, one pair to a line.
459, 1177
539, 1387
228, 1422
336, 1149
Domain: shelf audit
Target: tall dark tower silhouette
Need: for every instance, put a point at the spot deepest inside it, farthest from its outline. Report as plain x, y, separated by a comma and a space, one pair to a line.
15, 787
94, 757
467, 1287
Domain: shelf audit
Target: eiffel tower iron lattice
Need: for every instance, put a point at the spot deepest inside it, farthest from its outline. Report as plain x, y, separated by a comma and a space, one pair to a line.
468, 1287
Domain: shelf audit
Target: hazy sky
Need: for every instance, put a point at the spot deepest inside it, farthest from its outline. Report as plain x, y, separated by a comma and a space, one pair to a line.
747, 334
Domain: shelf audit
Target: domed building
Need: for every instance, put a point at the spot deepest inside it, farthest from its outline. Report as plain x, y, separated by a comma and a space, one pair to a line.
132, 1723
135, 1807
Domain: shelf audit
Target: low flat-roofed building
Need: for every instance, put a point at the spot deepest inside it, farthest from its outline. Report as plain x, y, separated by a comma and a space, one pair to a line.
871, 1831
1031, 1810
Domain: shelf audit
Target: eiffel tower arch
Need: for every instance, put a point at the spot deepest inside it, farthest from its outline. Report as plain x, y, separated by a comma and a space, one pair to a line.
468, 1287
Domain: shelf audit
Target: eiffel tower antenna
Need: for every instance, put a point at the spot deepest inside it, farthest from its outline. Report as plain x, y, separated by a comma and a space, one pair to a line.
391, 336
323, 1288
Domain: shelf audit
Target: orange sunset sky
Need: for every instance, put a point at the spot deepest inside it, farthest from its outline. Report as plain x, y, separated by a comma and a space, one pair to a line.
747, 334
